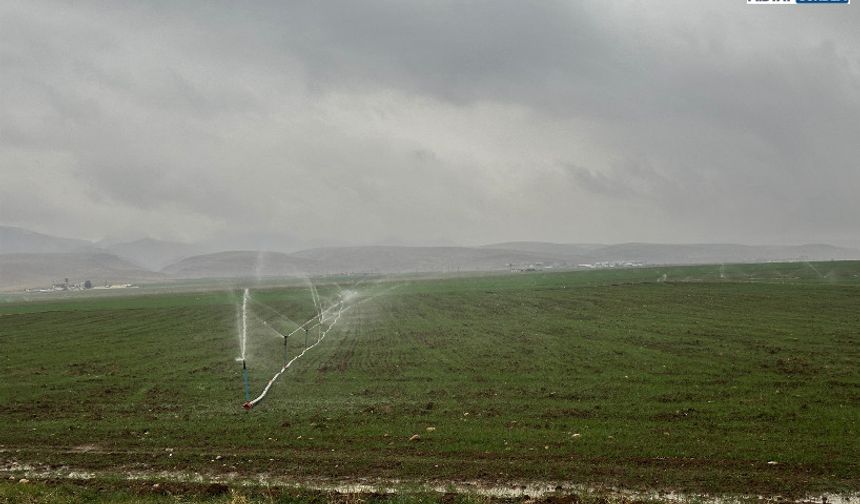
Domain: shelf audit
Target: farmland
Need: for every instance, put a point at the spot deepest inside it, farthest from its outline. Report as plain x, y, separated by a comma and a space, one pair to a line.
735, 379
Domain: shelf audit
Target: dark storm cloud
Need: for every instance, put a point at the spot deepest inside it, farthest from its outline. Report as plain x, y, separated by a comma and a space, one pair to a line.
431, 121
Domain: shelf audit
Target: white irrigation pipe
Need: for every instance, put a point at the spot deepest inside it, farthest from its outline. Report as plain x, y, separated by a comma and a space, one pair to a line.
250, 404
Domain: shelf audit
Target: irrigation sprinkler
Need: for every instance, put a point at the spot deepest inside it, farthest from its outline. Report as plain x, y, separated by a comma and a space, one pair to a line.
245, 381
330, 317
247, 404
340, 309
286, 354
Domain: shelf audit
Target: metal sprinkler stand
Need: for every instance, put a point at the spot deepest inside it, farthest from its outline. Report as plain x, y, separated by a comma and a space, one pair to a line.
247, 385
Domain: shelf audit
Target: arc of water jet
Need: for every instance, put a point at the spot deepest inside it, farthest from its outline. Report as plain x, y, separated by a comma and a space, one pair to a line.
269, 327
264, 305
323, 313
316, 295
243, 339
814, 269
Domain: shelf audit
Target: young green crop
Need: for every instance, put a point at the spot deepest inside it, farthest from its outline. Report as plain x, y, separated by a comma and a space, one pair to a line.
742, 382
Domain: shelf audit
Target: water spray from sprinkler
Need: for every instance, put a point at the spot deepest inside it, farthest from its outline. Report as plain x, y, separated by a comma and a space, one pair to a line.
336, 317
243, 340
244, 336
320, 318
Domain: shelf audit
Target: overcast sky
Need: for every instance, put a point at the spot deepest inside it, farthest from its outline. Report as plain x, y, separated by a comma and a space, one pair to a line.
291, 124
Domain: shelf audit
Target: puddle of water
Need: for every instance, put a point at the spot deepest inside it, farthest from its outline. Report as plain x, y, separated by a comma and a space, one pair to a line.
512, 491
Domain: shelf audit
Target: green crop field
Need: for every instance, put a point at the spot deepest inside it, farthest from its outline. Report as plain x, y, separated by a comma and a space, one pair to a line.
720, 379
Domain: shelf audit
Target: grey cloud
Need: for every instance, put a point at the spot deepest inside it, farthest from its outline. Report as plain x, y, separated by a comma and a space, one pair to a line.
417, 121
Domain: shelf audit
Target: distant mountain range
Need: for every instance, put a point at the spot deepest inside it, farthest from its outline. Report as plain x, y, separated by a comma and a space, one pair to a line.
387, 259
657, 253
29, 259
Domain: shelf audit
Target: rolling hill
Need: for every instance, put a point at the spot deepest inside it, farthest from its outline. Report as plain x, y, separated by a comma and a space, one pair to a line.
14, 240
154, 254
241, 264
21, 271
